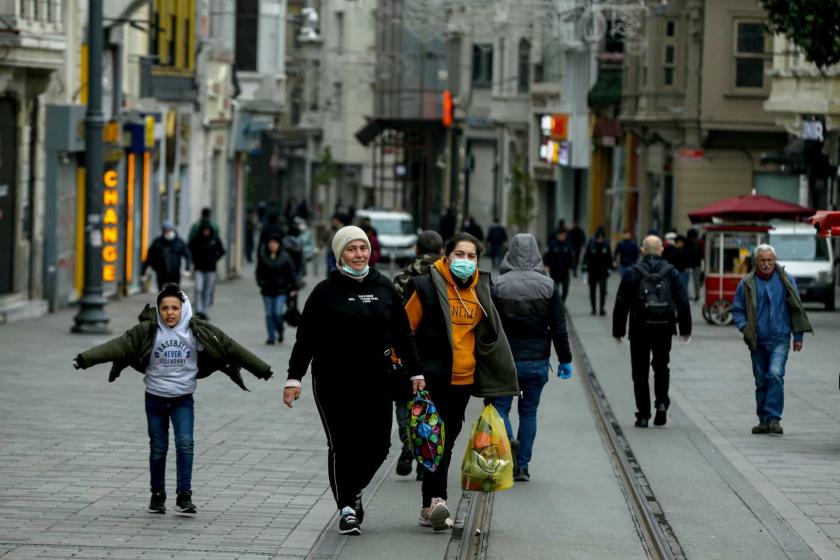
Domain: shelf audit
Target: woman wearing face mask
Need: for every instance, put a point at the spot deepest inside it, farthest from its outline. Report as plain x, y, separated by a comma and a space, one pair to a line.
165, 255
463, 350
348, 326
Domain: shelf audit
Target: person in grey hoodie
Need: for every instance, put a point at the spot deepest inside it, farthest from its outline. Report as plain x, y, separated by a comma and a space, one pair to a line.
533, 316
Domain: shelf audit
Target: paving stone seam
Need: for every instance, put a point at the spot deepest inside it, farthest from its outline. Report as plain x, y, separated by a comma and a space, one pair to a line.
104, 547
807, 530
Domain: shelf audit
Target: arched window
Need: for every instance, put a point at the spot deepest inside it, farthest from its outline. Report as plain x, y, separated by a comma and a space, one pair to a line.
524, 65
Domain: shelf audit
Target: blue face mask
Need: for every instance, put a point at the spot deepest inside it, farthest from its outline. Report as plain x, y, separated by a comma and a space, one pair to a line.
462, 268
353, 272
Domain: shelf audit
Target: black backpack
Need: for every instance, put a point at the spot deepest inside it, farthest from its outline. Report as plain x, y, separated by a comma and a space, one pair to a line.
655, 306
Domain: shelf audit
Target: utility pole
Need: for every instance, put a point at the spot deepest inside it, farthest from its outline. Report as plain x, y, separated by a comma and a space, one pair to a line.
91, 318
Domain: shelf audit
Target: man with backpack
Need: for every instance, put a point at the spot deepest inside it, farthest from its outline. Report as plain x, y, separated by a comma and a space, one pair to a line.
653, 296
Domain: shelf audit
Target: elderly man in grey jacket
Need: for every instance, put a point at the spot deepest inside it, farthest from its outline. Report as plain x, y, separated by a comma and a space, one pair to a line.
533, 316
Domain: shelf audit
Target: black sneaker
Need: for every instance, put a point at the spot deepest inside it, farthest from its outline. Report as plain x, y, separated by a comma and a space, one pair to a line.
774, 428
404, 462
270, 342
661, 416
641, 423
603, 312
521, 475
280, 339
514, 451
158, 502
348, 524
184, 505
760, 430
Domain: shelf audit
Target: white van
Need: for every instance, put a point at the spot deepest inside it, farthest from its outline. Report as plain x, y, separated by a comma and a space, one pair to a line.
807, 258
396, 233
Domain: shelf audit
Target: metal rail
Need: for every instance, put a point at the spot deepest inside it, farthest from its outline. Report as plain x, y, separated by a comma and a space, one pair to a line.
657, 536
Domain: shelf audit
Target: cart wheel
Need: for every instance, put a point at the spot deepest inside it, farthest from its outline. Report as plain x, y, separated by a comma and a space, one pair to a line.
706, 315
721, 312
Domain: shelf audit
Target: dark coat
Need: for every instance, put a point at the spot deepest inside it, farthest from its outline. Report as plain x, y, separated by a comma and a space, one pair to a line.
420, 265
134, 348
165, 256
626, 302
530, 304
597, 260
347, 330
206, 251
276, 276
495, 370
560, 258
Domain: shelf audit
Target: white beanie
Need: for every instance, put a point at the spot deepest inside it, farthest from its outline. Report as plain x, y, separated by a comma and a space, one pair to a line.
344, 236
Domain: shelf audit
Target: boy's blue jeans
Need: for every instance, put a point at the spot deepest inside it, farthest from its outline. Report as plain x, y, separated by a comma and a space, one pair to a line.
532, 375
768, 363
159, 412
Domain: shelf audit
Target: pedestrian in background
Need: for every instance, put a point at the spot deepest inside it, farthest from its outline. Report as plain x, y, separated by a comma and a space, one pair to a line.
626, 253
252, 226
560, 259
654, 298
578, 239
335, 225
597, 263
447, 223
348, 326
464, 352
676, 254
277, 279
373, 238
206, 249
165, 255
429, 249
533, 316
496, 239
173, 349
271, 227
473, 228
205, 219
768, 310
694, 260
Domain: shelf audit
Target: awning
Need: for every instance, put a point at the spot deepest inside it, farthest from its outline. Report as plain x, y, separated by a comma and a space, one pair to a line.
750, 207
377, 125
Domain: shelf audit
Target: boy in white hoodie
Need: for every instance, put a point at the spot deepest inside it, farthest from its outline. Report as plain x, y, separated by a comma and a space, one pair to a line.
173, 349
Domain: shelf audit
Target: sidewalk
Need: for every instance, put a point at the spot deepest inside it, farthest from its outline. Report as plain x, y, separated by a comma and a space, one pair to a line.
727, 493
74, 475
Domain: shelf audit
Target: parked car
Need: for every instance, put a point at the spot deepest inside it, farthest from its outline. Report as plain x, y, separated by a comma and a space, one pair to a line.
807, 258
396, 232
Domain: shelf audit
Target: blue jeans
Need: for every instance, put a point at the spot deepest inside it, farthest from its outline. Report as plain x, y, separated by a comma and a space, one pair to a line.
768, 363
159, 412
532, 375
685, 276
274, 308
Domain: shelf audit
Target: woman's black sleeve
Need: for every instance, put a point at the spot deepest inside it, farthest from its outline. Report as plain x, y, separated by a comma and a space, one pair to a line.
402, 336
307, 335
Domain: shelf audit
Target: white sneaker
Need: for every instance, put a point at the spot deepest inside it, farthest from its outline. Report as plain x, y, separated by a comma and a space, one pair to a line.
436, 516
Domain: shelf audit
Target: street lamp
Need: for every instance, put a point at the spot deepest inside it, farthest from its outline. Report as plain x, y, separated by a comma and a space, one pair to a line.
91, 318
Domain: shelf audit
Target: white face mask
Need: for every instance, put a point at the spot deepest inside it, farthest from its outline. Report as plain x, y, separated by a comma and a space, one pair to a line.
169, 235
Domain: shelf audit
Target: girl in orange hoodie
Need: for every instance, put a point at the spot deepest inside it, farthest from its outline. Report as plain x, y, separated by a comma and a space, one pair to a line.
445, 308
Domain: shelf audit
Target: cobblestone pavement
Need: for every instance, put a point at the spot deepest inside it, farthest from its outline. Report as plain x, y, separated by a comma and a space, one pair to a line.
74, 470
712, 383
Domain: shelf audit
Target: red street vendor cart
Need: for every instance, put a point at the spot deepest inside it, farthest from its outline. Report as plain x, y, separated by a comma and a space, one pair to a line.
734, 227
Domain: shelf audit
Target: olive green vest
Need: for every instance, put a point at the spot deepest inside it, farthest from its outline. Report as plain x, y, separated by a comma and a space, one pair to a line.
798, 318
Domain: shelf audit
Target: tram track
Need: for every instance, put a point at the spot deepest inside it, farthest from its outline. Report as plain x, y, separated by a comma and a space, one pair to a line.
470, 537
